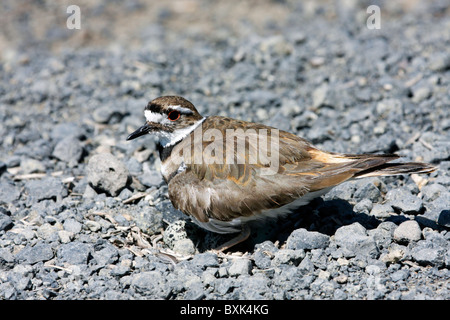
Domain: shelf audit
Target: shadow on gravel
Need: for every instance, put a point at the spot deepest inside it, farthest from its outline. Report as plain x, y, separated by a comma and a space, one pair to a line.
324, 216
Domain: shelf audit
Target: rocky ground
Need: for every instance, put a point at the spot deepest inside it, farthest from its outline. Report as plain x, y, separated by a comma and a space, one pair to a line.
84, 214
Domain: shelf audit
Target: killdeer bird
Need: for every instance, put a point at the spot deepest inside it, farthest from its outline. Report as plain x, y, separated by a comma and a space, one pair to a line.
227, 173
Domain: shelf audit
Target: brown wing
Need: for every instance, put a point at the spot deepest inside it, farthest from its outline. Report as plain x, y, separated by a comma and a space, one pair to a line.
229, 189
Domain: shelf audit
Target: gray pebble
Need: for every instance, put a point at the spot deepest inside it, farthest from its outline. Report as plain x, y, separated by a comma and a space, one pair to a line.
105, 254
440, 61
288, 256
304, 239
107, 174
184, 247
5, 221
75, 252
72, 225
68, 150
429, 255
264, 252
46, 188
403, 200
206, 260
39, 252
8, 193
29, 165
355, 241
382, 210
407, 231
240, 266
150, 283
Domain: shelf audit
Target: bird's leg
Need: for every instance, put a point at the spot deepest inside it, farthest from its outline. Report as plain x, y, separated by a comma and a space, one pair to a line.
242, 236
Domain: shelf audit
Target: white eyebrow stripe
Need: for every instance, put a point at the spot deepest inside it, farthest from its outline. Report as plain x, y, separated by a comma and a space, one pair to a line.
181, 109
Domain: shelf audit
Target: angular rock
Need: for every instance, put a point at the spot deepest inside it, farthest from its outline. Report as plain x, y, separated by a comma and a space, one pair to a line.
429, 255
39, 252
206, 260
5, 221
8, 193
69, 150
240, 266
304, 239
75, 252
46, 188
288, 256
382, 210
151, 283
403, 200
355, 241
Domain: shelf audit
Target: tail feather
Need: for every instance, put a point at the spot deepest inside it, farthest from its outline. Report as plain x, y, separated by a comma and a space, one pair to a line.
391, 169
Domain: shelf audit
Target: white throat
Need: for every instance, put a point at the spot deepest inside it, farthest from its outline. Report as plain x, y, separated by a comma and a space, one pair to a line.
167, 139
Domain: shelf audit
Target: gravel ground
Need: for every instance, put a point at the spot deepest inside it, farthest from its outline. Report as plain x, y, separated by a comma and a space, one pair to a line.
85, 214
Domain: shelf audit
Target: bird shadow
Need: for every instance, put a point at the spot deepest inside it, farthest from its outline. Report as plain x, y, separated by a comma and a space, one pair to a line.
324, 216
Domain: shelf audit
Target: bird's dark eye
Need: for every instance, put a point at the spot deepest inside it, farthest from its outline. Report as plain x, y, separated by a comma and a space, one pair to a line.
173, 115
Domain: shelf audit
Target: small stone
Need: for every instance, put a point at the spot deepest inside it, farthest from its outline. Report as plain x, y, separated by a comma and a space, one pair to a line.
94, 226
72, 225
444, 218
8, 193
151, 283
363, 206
109, 114
48, 231
66, 130
69, 150
5, 221
355, 241
184, 247
39, 252
304, 239
288, 256
75, 253
6, 258
264, 253
366, 189
206, 260
31, 166
341, 279
421, 93
393, 256
432, 192
46, 188
65, 236
382, 211
429, 255
324, 275
105, 253
399, 275
240, 266
120, 270
407, 231
150, 178
107, 174
343, 262
440, 61
403, 200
